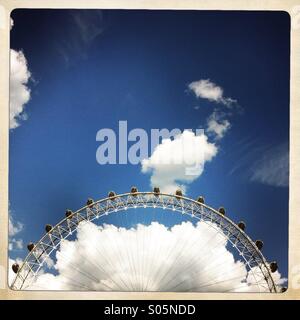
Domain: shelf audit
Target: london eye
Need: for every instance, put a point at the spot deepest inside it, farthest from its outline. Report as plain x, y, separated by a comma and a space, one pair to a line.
247, 252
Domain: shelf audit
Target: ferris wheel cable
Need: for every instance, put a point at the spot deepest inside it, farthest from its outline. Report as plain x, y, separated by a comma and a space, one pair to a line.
157, 254
169, 252
88, 275
215, 267
246, 285
196, 275
236, 268
194, 262
137, 251
81, 271
144, 255
214, 283
256, 287
215, 262
169, 255
206, 242
145, 264
105, 255
143, 259
150, 265
130, 258
120, 257
80, 284
35, 277
123, 222
214, 225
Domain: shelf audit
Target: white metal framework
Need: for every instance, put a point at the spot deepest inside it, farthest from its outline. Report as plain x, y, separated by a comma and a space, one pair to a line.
247, 249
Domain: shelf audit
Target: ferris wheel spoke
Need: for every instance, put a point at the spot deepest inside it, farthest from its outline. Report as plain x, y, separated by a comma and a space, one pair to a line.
194, 261
196, 275
104, 256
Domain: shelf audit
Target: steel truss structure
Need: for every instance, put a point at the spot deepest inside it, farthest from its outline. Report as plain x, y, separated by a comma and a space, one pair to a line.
252, 256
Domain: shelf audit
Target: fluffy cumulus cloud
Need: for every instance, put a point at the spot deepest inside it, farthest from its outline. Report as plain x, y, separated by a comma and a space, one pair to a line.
178, 162
147, 258
273, 167
19, 90
206, 89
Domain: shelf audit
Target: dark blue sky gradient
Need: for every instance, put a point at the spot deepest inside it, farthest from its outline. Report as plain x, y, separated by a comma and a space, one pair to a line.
137, 68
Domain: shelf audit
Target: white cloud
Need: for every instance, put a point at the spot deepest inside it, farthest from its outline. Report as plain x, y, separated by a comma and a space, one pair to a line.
87, 26
14, 227
217, 126
147, 258
273, 167
206, 89
15, 244
19, 92
175, 163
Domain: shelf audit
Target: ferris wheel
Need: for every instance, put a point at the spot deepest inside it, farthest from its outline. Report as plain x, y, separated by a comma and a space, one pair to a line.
233, 234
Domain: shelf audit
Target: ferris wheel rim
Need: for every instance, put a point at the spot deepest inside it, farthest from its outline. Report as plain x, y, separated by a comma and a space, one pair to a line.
272, 286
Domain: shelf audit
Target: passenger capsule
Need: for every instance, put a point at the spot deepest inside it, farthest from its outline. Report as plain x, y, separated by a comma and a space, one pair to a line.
259, 244
222, 211
30, 246
273, 266
156, 191
89, 202
283, 289
68, 213
242, 225
15, 267
48, 227
133, 191
201, 199
178, 193
112, 195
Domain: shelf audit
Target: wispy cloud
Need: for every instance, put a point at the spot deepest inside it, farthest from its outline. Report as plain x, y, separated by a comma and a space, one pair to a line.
83, 28
273, 167
218, 122
207, 89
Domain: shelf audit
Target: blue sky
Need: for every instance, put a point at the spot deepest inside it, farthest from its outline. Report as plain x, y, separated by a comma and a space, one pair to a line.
90, 69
